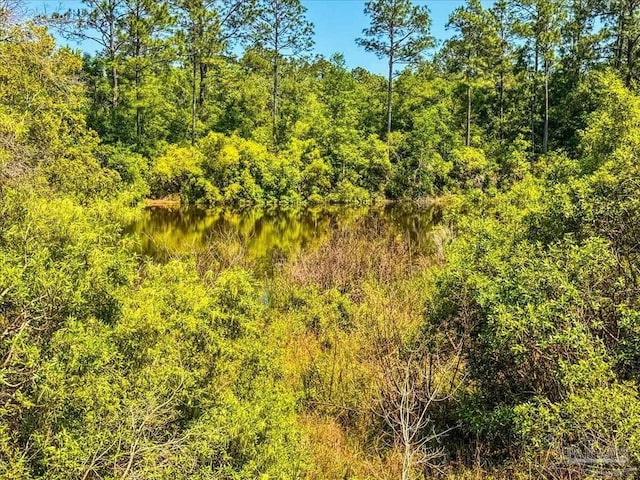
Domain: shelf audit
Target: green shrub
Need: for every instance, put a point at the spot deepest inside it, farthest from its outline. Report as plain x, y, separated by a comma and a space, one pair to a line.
175, 170
348, 193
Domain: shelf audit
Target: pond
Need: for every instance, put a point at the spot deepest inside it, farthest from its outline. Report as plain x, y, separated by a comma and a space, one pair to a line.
269, 235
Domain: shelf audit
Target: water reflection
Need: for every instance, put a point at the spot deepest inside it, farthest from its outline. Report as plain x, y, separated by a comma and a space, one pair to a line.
265, 235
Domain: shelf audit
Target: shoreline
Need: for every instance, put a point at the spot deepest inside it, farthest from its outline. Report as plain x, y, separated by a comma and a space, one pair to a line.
176, 203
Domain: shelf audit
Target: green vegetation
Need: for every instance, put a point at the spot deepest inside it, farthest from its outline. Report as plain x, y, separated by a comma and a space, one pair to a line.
507, 346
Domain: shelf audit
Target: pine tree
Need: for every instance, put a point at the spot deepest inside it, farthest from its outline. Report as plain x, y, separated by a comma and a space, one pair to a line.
208, 28
623, 19
399, 32
473, 48
283, 31
145, 29
540, 25
102, 22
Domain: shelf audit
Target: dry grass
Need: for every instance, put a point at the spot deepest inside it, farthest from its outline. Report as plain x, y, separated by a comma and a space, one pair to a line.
170, 202
223, 252
355, 254
384, 277
333, 365
334, 456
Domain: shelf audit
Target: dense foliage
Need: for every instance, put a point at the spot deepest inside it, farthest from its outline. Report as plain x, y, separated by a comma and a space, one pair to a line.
509, 85
507, 347
113, 367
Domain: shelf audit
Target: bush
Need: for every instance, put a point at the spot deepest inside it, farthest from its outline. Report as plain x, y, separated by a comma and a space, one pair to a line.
114, 368
348, 193
175, 170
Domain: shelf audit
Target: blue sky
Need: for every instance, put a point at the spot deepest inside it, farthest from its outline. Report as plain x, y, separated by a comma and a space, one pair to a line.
337, 24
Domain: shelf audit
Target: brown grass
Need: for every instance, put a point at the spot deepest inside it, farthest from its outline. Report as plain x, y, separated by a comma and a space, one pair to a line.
383, 274
172, 201
355, 254
335, 457
221, 253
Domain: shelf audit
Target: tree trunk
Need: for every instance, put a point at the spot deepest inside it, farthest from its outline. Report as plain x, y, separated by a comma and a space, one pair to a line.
138, 107
275, 101
276, 53
389, 95
112, 57
204, 70
114, 97
501, 102
545, 137
628, 78
114, 79
406, 462
468, 139
138, 80
194, 99
534, 95
618, 45
503, 54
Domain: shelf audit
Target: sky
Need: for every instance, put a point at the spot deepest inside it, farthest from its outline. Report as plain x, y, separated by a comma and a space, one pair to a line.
337, 25
339, 22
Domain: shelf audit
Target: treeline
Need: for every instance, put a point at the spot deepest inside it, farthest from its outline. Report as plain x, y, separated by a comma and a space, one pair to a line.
511, 84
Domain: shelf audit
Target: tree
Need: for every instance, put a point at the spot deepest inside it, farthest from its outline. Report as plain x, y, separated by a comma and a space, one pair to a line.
583, 35
10, 13
409, 392
399, 32
99, 21
208, 28
39, 120
622, 18
540, 24
473, 48
133, 37
283, 31
502, 64
411, 382
144, 47
584, 47
426, 114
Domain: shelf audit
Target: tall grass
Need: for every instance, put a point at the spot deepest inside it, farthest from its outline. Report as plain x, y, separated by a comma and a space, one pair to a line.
365, 251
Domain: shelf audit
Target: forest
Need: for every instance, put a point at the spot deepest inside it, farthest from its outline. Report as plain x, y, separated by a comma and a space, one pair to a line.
508, 348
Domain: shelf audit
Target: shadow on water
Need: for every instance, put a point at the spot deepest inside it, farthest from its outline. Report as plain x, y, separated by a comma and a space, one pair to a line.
269, 236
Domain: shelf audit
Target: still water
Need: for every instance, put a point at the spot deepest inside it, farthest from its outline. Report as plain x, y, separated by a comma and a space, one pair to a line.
269, 235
